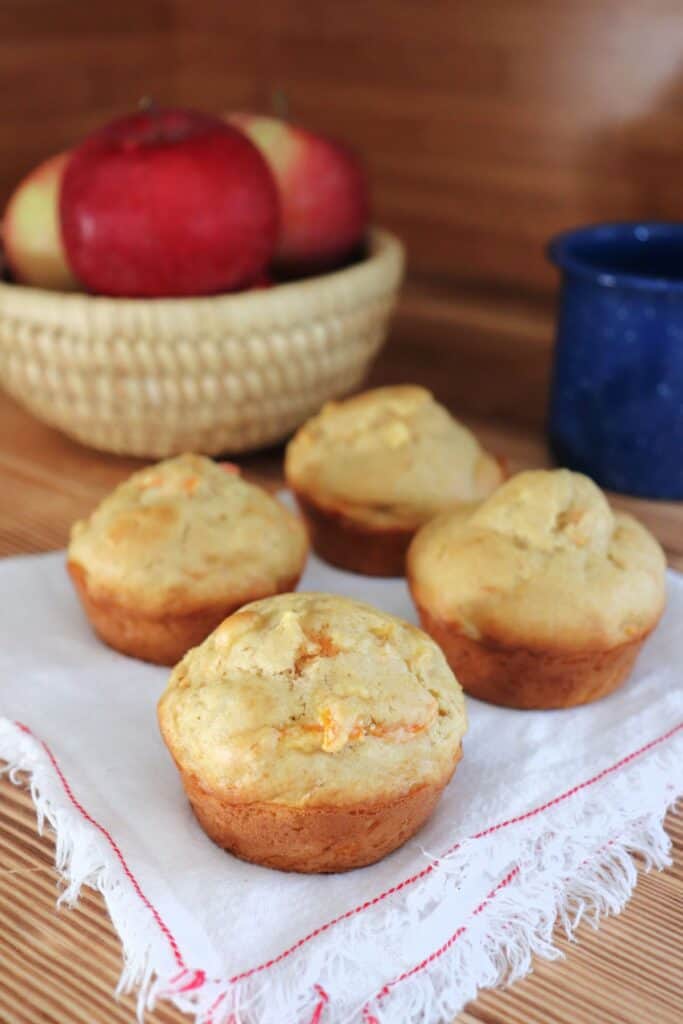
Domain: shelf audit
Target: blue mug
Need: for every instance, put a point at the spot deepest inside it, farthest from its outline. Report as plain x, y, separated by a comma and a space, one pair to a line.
616, 404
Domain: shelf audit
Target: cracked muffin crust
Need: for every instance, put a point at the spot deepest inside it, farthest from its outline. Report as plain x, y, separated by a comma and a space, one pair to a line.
370, 470
540, 596
313, 732
174, 549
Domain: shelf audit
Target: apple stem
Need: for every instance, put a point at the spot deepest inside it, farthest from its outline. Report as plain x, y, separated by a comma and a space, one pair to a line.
148, 105
280, 103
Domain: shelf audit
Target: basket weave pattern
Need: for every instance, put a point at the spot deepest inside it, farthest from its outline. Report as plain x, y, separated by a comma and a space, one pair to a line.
221, 374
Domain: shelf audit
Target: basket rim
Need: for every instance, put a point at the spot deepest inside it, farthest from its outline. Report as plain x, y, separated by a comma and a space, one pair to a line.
385, 248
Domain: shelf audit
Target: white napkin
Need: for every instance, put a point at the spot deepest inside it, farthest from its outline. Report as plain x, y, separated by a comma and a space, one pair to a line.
539, 820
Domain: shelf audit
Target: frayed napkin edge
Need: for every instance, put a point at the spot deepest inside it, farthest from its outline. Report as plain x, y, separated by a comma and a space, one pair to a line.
552, 879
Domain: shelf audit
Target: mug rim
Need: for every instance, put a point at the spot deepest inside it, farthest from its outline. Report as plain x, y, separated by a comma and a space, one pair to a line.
561, 251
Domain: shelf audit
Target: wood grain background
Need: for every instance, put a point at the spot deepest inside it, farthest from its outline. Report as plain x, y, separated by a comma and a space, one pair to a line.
487, 126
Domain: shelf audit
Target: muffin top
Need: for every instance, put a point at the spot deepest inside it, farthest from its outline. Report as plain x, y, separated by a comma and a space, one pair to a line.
313, 699
185, 533
544, 562
389, 456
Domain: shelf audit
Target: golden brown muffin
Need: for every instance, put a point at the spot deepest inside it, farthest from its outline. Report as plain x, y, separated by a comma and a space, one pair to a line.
312, 732
541, 596
369, 471
173, 550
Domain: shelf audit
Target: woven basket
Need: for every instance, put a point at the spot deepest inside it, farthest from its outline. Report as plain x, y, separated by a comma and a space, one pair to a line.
221, 374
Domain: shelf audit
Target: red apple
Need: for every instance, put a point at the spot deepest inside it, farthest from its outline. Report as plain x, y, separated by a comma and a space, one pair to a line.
168, 203
323, 193
30, 229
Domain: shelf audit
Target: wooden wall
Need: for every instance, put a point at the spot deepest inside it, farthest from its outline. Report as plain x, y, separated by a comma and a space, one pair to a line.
487, 125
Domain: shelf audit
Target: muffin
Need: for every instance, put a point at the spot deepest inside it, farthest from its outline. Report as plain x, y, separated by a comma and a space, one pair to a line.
369, 471
173, 550
312, 732
542, 595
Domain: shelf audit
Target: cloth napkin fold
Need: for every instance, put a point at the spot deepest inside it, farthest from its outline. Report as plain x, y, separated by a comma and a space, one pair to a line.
540, 822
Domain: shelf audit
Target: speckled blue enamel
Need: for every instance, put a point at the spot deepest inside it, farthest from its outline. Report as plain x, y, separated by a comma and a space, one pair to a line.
616, 407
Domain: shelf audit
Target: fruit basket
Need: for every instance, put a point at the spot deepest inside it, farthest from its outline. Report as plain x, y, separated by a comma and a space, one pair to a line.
228, 373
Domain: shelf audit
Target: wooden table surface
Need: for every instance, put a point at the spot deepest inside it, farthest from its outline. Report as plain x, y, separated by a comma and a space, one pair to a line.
62, 967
